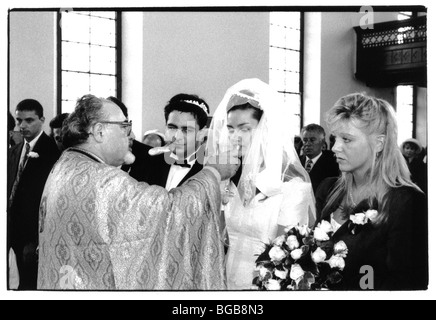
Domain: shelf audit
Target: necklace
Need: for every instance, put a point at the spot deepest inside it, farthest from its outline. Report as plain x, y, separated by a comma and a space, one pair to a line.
352, 200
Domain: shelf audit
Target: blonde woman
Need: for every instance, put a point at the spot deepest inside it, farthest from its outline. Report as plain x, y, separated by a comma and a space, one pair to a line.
389, 244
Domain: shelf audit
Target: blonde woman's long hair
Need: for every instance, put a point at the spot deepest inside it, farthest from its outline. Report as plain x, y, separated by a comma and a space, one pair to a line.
389, 169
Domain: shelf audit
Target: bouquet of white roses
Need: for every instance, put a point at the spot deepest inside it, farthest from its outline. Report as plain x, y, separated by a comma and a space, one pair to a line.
301, 259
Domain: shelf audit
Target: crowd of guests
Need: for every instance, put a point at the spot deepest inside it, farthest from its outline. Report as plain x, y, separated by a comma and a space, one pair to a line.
363, 169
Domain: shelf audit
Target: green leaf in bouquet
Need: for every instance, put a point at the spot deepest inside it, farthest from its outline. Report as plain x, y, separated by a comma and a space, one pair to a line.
264, 256
257, 282
285, 283
288, 262
309, 241
306, 250
324, 270
292, 286
334, 277
280, 267
269, 265
306, 282
327, 246
308, 265
309, 277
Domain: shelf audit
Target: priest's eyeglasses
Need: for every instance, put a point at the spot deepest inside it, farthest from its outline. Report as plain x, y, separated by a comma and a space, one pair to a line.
125, 125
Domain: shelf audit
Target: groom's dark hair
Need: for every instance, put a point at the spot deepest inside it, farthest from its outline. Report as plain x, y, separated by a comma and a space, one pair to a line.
189, 103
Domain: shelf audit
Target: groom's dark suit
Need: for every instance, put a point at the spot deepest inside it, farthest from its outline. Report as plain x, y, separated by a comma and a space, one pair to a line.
23, 209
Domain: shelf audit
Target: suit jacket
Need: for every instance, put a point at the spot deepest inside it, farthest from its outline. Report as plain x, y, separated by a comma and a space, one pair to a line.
397, 250
141, 169
325, 167
23, 215
161, 170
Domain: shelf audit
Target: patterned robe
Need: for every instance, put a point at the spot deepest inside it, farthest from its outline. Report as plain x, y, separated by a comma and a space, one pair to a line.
102, 230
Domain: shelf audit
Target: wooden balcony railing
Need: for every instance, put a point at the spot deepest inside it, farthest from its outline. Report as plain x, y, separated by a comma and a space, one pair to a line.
393, 53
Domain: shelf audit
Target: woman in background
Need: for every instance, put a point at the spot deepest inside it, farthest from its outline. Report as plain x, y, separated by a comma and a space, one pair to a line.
412, 149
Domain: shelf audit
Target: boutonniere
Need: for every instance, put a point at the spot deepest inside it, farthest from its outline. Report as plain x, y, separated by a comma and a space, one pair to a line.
358, 220
33, 155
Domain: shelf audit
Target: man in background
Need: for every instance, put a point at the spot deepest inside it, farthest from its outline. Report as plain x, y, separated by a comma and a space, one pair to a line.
29, 164
318, 163
56, 129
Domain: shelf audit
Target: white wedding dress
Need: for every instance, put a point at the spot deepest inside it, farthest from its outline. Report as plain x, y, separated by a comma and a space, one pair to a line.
251, 227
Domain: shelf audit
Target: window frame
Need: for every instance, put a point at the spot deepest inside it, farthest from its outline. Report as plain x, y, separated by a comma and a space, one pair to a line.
118, 50
301, 68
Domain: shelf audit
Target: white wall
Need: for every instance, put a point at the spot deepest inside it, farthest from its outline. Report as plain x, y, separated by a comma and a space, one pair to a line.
132, 66
33, 60
330, 65
421, 116
338, 61
200, 53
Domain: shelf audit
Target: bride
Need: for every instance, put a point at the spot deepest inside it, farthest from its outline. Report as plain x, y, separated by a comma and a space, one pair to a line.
271, 190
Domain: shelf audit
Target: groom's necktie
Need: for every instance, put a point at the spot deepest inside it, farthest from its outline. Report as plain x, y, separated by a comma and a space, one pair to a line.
309, 165
20, 172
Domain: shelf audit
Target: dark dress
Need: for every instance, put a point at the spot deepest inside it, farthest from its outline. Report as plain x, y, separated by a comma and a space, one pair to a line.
397, 250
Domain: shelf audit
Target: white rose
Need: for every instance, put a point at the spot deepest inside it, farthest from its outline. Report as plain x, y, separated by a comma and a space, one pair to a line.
281, 274
319, 255
33, 155
325, 226
279, 241
359, 218
296, 272
263, 272
371, 214
296, 254
303, 230
320, 235
277, 254
293, 243
341, 249
337, 262
273, 285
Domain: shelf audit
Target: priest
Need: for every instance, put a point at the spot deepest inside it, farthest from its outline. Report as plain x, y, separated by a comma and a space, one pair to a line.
102, 230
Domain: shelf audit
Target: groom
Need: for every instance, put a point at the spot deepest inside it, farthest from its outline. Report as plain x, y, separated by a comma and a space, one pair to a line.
186, 117
100, 229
